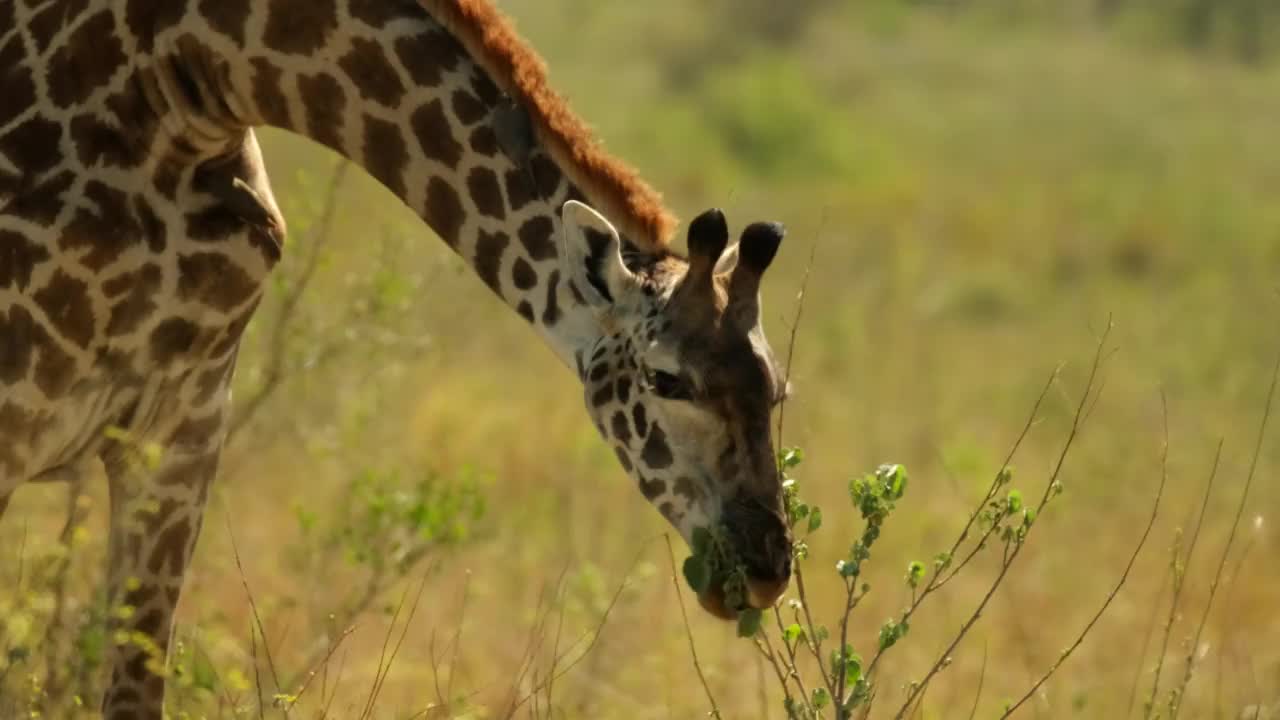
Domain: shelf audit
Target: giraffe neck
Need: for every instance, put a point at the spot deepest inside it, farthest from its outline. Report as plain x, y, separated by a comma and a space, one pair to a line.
388, 86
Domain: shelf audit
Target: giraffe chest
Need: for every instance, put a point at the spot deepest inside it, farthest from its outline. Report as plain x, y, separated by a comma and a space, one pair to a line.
122, 301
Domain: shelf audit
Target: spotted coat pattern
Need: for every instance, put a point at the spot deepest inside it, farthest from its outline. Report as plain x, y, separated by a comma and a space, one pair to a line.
138, 227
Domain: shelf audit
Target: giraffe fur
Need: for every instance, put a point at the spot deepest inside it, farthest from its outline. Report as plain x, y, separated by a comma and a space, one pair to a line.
138, 231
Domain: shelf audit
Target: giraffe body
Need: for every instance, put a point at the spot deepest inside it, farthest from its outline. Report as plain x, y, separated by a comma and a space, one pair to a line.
138, 227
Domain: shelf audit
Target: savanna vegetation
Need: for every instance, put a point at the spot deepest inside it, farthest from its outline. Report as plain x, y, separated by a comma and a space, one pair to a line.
998, 205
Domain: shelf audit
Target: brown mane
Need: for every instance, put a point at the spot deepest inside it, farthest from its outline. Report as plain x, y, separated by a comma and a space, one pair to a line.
625, 199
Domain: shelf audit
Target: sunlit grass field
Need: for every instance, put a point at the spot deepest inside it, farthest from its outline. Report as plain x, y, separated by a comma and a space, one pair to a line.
980, 198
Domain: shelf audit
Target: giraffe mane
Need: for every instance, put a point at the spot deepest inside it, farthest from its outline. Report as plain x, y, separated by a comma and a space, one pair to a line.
628, 201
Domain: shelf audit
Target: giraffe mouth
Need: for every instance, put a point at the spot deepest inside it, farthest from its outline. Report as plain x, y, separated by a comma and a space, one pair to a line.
728, 581
760, 595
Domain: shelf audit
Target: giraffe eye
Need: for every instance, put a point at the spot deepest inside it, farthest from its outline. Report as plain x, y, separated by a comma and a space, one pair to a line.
669, 386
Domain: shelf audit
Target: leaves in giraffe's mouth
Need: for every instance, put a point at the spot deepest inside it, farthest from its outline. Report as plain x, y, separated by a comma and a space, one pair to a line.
716, 573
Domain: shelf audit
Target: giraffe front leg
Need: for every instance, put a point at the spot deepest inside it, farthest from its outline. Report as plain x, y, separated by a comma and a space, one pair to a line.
156, 515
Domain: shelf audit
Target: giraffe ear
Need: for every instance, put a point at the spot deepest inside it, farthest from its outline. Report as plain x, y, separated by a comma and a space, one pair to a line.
728, 261
591, 255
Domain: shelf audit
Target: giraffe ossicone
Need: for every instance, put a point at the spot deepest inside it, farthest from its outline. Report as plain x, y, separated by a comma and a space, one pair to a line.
138, 230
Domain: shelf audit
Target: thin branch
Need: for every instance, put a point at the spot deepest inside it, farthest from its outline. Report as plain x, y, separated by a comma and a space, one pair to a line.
1178, 575
791, 341
599, 628
937, 578
982, 676
257, 619
1146, 643
324, 663
1073, 433
693, 651
1231, 536
1155, 512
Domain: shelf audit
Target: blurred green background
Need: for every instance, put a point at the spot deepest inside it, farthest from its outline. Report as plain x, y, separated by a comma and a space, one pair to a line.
983, 184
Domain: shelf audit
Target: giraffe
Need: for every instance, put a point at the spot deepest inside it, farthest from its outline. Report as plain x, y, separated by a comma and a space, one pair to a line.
138, 229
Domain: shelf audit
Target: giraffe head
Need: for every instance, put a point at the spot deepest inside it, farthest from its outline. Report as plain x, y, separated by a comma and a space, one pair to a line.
682, 383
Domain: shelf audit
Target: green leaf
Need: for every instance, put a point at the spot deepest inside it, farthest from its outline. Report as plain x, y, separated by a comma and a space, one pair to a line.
915, 571
1015, 501
793, 632
852, 667
821, 698
791, 457
815, 519
697, 571
749, 622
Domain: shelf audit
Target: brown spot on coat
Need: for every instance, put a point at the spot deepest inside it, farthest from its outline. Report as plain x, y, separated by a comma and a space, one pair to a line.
468, 108
19, 330
602, 396
546, 175
107, 233
42, 203
197, 432
371, 73
48, 21
377, 13
385, 154
621, 430
551, 313
270, 102
525, 310
599, 371
32, 145
444, 210
18, 258
639, 417
691, 490
213, 224
652, 488
488, 260
138, 304
519, 188
65, 301
16, 84
147, 19
435, 135
86, 61
150, 224
522, 275
171, 546
485, 192
172, 338
299, 27
55, 370
427, 57
484, 141
325, 103
656, 453
226, 16
535, 235
214, 280
97, 142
